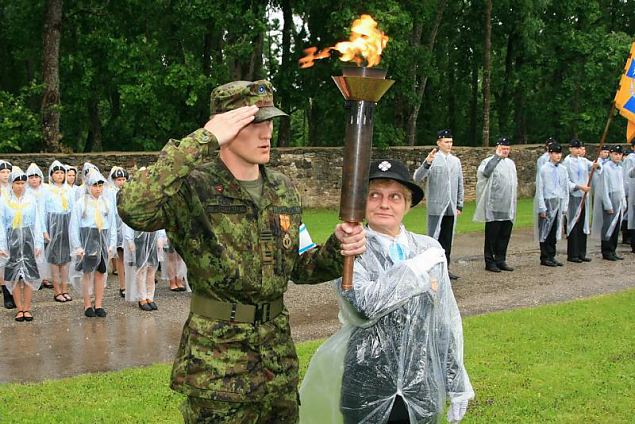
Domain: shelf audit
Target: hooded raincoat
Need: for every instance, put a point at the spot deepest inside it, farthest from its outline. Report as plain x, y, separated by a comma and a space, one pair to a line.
142, 251
578, 169
22, 236
58, 206
552, 199
401, 335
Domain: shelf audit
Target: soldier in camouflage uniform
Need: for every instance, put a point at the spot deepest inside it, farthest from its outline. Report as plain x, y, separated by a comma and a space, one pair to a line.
236, 224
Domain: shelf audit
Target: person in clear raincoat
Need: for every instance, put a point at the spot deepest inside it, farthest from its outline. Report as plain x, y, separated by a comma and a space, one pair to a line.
550, 205
142, 253
611, 205
21, 239
578, 214
88, 167
117, 178
628, 161
93, 241
174, 269
39, 190
71, 179
496, 198
444, 191
5, 189
399, 353
58, 207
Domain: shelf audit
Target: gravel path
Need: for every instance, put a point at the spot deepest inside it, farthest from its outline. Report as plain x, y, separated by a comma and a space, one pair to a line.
65, 343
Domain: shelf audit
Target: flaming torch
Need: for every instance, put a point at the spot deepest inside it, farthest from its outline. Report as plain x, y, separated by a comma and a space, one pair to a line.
362, 87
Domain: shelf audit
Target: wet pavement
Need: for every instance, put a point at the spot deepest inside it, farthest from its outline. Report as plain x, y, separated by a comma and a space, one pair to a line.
61, 342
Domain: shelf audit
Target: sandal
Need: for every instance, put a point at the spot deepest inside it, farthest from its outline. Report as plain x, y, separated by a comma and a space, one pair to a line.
29, 317
47, 285
67, 297
18, 317
59, 298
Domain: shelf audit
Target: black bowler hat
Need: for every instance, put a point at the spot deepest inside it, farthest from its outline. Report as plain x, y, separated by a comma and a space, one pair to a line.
444, 134
576, 143
398, 171
503, 141
555, 148
616, 148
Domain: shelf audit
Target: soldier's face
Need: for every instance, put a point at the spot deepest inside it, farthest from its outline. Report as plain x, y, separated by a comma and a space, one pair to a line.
386, 206
252, 145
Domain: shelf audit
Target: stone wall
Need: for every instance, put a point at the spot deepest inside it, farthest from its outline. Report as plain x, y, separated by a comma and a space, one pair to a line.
317, 171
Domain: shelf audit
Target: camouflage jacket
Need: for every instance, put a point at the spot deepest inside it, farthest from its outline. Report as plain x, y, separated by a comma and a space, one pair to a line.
235, 252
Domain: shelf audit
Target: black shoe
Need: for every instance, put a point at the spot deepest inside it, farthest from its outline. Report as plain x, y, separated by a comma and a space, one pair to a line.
153, 306
504, 267
492, 268
548, 262
575, 260
452, 276
558, 263
609, 258
122, 292
100, 312
619, 258
89, 312
145, 306
8, 298
585, 259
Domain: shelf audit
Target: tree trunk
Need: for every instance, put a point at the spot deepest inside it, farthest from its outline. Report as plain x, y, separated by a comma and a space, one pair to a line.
487, 70
420, 86
94, 137
284, 129
51, 76
473, 102
451, 90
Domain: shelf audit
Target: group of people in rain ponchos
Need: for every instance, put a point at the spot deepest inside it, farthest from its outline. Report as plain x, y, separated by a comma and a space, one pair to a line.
53, 230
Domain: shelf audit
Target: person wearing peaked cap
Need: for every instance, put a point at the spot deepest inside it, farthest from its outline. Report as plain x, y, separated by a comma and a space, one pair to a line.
21, 243
550, 205
544, 158
402, 304
578, 214
219, 202
93, 238
496, 198
609, 210
628, 224
444, 191
58, 207
118, 177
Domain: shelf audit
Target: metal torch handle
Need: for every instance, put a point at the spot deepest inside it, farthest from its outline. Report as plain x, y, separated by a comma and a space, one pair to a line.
347, 273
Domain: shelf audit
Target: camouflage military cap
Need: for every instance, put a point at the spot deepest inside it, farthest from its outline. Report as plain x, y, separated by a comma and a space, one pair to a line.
245, 93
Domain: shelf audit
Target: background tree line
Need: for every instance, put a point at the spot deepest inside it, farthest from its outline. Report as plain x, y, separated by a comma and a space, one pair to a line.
128, 75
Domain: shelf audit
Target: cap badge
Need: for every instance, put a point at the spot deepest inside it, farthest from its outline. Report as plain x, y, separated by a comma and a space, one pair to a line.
261, 89
384, 166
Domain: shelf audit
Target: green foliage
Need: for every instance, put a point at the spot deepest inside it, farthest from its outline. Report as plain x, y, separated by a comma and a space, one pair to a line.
140, 72
19, 125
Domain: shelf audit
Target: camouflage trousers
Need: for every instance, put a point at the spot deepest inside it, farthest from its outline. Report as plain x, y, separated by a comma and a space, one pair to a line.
283, 410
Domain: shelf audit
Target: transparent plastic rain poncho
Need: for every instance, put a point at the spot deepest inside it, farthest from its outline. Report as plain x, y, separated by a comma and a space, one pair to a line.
578, 169
552, 198
21, 237
610, 196
401, 335
86, 169
142, 253
93, 233
175, 264
444, 189
40, 193
58, 206
496, 195
629, 182
112, 194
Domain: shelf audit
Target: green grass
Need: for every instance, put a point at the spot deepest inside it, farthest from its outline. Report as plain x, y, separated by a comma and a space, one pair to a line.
321, 222
565, 363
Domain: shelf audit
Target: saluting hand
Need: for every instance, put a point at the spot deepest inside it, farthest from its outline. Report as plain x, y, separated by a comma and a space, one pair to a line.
225, 126
431, 155
352, 238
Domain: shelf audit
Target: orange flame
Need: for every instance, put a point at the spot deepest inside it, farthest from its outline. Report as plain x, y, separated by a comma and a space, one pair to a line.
365, 45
